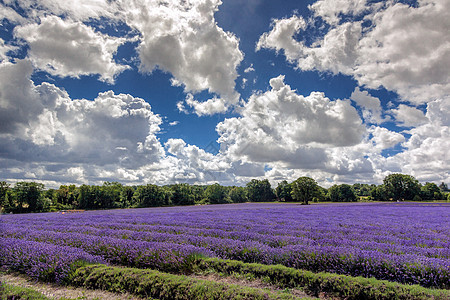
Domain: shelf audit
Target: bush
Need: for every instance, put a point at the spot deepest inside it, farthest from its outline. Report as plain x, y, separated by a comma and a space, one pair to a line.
155, 284
333, 285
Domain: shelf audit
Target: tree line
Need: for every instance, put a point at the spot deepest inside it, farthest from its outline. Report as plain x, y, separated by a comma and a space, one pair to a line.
26, 197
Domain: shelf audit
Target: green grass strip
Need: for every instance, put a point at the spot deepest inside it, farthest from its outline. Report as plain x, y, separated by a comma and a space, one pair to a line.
331, 284
8, 291
155, 284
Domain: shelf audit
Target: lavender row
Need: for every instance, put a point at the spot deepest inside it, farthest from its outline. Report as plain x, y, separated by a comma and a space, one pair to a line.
172, 257
406, 243
211, 242
42, 261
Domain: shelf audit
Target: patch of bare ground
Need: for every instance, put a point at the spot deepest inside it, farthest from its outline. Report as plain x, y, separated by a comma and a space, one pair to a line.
55, 291
254, 283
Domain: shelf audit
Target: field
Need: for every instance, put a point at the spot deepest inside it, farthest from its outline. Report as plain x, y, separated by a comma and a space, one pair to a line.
394, 244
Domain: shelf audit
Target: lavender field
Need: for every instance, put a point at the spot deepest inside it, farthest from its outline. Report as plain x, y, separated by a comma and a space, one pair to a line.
401, 242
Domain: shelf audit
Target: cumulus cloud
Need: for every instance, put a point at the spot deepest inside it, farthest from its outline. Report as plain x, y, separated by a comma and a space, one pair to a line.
408, 116
181, 38
404, 50
281, 125
42, 124
184, 39
371, 106
66, 48
332, 10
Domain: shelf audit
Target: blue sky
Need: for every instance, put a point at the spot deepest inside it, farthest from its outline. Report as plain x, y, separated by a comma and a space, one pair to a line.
208, 91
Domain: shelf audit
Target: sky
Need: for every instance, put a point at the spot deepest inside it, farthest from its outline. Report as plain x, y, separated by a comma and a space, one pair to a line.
205, 91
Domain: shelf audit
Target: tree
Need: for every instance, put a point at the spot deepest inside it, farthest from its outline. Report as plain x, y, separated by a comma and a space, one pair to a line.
111, 192
304, 189
216, 194
4, 203
260, 191
126, 197
29, 196
379, 193
443, 187
401, 187
342, 193
430, 191
284, 191
151, 195
238, 195
182, 194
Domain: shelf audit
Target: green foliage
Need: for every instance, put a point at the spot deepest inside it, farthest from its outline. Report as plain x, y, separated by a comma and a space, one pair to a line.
363, 190
401, 187
11, 292
430, 191
304, 189
379, 193
151, 195
216, 194
443, 187
182, 194
260, 191
333, 285
126, 197
238, 195
155, 284
4, 203
27, 197
284, 191
342, 193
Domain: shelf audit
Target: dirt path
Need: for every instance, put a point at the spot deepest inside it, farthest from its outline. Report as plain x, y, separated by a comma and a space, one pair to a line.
56, 291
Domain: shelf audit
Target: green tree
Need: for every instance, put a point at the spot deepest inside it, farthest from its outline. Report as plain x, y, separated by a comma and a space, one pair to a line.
216, 194
304, 189
111, 192
443, 187
379, 193
260, 191
4, 203
29, 196
284, 191
342, 193
238, 195
126, 197
182, 194
430, 191
151, 195
401, 186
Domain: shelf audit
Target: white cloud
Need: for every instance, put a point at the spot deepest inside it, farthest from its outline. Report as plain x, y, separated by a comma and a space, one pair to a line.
371, 106
183, 38
209, 107
41, 124
332, 10
80, 10
408, 116
10, 14
249, 69
383, 138
282, 126
406, 49
67, 48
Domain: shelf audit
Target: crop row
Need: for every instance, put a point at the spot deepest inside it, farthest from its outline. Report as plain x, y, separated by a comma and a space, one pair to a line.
404, 243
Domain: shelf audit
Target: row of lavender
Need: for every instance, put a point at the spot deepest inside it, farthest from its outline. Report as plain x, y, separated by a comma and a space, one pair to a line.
406, 243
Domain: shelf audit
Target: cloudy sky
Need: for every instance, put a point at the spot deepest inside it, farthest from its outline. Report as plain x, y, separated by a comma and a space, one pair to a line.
203, 91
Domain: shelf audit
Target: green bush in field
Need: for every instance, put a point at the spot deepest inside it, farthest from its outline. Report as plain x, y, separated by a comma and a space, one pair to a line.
155, 284
10, 292
335, 285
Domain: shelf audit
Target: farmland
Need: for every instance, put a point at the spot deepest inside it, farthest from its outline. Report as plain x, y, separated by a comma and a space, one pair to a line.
394, 244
